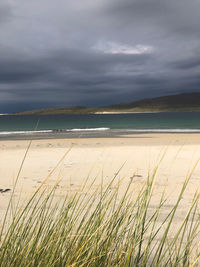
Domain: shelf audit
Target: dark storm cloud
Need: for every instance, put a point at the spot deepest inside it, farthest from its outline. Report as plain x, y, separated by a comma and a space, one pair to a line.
96, 52
171, 15
186, 64
72, 67
22, 71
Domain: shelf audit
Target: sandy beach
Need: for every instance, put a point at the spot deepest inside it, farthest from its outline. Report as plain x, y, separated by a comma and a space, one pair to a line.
136, 155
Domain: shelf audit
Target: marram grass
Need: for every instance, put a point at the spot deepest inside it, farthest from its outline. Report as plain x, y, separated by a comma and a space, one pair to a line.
98, 228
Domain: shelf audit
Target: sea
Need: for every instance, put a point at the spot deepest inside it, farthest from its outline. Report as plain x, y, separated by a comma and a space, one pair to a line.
165, 122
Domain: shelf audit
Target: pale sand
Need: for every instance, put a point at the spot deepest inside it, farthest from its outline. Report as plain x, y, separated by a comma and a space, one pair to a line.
102, 158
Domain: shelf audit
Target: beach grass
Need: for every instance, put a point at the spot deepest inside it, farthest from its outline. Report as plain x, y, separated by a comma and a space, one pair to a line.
100, 228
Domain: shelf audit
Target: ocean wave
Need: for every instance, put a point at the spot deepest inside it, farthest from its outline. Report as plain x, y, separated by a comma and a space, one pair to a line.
87, 129
162, 130
55, 131
26, 132
101, 129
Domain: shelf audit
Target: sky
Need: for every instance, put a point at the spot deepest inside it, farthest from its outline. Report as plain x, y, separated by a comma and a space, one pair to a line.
96, 52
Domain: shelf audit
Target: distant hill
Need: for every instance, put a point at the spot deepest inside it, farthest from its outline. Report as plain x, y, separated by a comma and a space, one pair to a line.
180, 102
189, 102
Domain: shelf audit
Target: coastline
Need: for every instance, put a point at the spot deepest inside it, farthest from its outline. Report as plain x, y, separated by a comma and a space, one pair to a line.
91, 134
126, 112
101, 125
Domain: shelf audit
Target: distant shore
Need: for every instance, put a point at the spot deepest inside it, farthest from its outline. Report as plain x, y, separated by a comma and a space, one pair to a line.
121, 112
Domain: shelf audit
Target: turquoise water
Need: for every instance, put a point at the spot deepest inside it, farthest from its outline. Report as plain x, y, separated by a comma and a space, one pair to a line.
173, 121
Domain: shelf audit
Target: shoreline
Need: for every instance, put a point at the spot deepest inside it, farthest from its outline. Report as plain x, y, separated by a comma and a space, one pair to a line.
102, 113
94, 139
50, 134
126, 112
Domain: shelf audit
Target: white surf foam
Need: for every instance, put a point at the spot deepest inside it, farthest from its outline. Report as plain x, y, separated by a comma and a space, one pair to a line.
26, 132
87, 129
54, 131
101, 129
163, 130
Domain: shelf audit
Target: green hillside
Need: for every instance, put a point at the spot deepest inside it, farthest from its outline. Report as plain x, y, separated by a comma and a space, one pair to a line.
180, 102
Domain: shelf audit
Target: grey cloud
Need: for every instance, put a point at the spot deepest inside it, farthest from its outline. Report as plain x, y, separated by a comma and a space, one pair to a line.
174, 16
65, 65
48, 55
5, 12
186, 64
